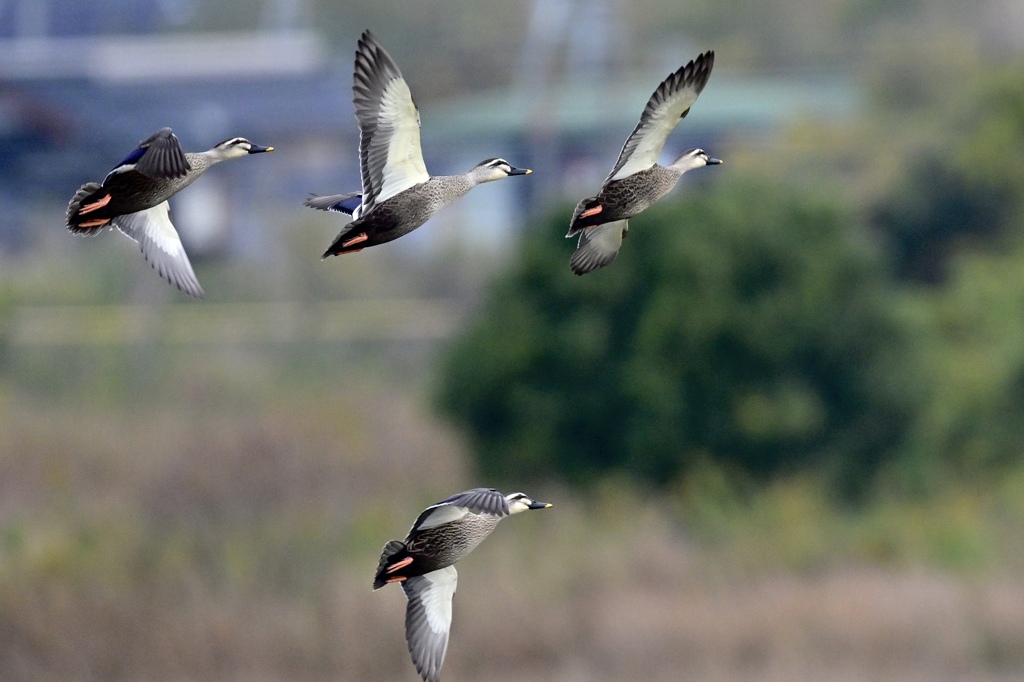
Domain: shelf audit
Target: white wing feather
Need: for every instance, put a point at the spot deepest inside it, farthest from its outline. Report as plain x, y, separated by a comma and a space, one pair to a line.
404, 167
670, 102
390, 157
161, 246
428, 619
439, 515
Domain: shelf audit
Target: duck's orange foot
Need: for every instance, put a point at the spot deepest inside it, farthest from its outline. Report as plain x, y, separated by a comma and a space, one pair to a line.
592, 211
399, 565
94, 206
358, 239
96, 222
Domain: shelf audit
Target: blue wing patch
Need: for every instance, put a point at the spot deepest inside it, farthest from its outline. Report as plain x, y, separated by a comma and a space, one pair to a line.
133, 157
339, 203
348, 205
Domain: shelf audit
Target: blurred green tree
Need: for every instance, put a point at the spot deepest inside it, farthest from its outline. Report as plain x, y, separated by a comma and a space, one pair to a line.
970, 362
748, 326
964, 191
954, 224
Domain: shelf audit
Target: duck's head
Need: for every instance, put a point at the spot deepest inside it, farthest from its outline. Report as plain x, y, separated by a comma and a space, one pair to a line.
694, 158
518, 502
495, 169
235, 147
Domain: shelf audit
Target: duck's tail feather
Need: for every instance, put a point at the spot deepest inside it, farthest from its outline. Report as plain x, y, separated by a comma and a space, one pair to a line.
353, 238
587, 214
391, 561
85, 213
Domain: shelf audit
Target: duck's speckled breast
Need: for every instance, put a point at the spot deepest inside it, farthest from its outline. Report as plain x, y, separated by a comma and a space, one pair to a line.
444, 545
635, 193
132, 191
401, 214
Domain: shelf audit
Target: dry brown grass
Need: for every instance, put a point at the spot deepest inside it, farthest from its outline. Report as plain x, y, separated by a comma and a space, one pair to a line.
234, 539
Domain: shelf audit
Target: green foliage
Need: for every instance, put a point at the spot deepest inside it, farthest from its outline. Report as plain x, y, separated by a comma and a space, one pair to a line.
970, 357
953, 224
938, 210
755, 335
965, 190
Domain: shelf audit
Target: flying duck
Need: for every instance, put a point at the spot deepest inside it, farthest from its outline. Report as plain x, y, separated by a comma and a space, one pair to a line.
442, 535
133, 198
398, 194
637, 180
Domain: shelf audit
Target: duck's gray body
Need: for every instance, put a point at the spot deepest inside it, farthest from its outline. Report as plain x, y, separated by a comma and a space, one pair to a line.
631, 195
447, 544
637, 181
398, 194
133, 198
424, 565
132, 191
397, 216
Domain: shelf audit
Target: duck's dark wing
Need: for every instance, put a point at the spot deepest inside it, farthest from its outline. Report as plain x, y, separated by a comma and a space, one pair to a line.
390, 158
475, 501
159, 156
428, 619
668, 105
479, 501
598, 246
